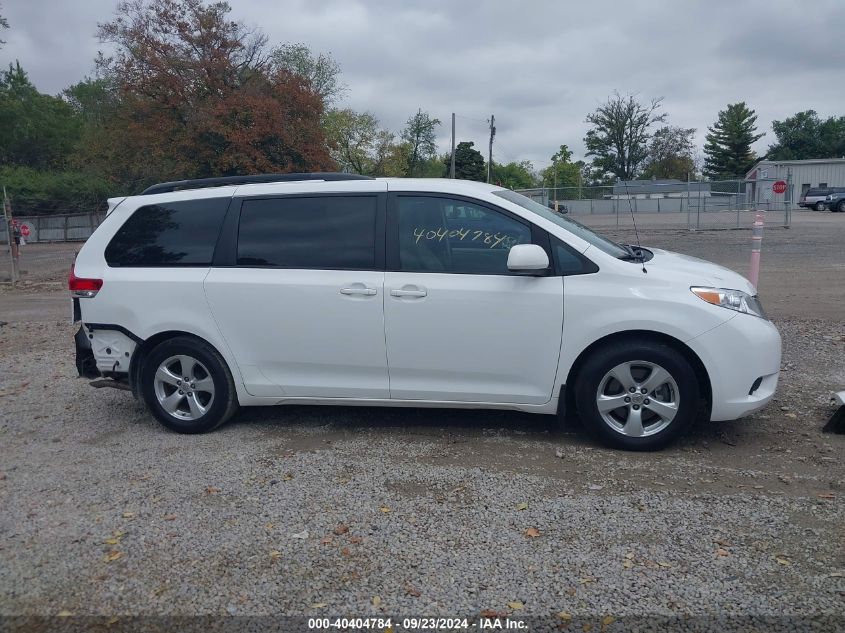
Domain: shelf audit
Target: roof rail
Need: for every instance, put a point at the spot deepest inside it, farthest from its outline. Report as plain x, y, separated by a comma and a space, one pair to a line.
221, 181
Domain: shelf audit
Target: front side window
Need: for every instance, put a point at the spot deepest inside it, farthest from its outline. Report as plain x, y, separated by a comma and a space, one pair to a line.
169, 234
439, 234
322, 232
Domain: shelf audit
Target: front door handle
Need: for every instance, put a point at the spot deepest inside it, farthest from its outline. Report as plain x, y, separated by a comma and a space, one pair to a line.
408, 293
358, 290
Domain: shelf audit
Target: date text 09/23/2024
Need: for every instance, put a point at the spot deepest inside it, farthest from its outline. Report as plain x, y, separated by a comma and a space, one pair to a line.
416, 624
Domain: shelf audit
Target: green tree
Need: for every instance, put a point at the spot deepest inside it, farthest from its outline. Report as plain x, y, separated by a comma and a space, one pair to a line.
469, 163
727, 152
671, 153
562, 173
354, 137
421, 140
321, 71
620, 132
36, 130
514, 175
43, 191
805, 135
94, 100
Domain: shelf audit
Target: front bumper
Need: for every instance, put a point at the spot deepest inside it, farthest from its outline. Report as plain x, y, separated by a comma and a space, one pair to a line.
742, 358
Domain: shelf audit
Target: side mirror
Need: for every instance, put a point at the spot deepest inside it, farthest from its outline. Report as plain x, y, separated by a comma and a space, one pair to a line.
527, 258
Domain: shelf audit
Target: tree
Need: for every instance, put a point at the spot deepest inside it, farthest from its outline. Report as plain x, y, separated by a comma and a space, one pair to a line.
671, 153
198, 96
804, 135
390, 158
322, 71
514, 175
420, 139
618, 139
94, 100
562, 172
36, 130
469, 163
727, 152
355, 137
43, 191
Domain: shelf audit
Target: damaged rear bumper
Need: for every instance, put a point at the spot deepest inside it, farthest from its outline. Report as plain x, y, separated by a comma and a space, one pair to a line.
104, 350
86, 364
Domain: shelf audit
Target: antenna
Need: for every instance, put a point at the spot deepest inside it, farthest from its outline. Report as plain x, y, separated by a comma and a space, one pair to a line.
634, 222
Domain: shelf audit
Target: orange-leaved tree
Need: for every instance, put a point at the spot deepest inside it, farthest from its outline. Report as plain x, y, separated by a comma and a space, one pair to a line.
198, 96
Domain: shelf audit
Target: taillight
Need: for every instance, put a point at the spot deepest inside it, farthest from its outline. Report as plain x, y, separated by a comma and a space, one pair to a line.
81, 287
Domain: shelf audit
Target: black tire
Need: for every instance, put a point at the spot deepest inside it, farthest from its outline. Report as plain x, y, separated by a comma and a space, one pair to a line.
657, 431
220, 406
841, 206
819, 206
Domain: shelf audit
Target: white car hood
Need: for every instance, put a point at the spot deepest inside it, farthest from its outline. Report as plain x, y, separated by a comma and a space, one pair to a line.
696, 271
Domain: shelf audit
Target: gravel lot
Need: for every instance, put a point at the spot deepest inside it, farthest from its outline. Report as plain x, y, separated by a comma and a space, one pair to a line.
328, 511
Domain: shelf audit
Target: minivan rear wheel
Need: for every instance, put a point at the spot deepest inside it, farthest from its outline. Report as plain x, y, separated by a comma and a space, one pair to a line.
187, 386
638, 395
819, 206
841, 206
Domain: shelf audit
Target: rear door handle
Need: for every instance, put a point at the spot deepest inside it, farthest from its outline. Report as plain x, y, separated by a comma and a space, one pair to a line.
369, 292
408, 293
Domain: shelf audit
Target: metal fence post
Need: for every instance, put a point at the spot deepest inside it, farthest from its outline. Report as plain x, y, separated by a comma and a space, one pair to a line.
738, 183
787, 200
698, 210
689, 216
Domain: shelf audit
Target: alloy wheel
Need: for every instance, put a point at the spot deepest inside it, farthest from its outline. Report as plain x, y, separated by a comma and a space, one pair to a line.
638, 398
183, 387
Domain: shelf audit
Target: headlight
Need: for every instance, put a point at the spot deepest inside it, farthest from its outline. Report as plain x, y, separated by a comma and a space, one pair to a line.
730, 299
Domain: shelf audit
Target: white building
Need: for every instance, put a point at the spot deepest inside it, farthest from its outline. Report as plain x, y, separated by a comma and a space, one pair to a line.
823, 172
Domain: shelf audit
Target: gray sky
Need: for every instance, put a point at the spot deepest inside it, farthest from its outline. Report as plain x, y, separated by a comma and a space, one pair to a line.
540, 67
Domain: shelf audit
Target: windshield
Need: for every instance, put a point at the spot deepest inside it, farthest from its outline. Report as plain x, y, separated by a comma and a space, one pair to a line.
576, 228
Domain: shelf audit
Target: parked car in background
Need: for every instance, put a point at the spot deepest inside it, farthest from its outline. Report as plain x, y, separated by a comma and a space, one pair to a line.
836, 202
202, 296
816, 197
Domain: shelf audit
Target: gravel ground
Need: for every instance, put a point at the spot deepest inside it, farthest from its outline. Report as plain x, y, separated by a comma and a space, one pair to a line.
327, 511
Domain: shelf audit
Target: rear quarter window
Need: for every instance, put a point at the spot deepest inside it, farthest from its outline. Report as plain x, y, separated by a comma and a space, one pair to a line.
169, 234
308, 232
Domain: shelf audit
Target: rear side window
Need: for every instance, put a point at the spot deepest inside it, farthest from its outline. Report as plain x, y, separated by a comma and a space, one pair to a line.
169, 234
323, 232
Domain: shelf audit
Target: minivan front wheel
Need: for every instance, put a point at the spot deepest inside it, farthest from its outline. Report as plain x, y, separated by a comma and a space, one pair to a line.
187, 386
820, 206
637, 395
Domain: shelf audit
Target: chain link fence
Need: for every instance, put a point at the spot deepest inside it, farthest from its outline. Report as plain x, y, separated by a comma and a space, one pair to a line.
673, 204
43, 229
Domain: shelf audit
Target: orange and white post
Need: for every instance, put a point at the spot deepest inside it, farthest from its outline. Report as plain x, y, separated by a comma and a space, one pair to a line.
756, 246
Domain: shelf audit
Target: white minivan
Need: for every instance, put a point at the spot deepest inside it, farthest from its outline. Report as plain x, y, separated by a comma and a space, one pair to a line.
201, 296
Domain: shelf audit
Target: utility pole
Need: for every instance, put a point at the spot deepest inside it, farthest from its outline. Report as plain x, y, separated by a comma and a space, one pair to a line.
6, 207
452, 168
490, 152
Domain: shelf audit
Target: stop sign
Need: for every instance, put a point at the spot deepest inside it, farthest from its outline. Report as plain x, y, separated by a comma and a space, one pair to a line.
25, 230
779, 186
